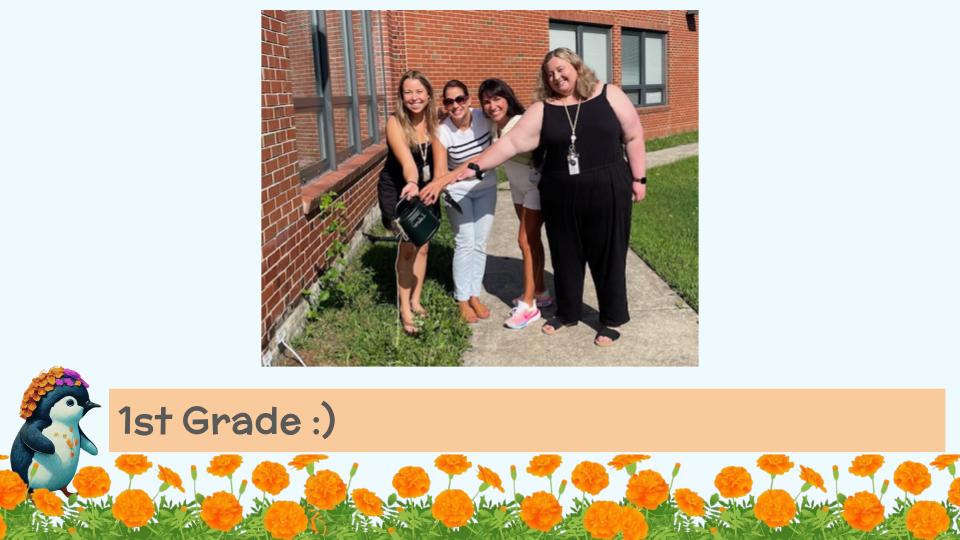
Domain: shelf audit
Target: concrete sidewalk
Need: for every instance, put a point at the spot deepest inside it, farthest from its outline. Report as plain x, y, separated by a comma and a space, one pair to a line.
663, 330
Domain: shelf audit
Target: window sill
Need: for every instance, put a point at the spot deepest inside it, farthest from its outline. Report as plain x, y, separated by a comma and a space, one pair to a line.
340, 180
652, 109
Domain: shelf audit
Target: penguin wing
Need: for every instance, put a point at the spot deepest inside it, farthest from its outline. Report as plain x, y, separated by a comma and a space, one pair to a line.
31, 436
87, 444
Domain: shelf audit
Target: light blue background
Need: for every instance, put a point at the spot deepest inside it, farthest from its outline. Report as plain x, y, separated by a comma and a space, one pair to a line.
130, 217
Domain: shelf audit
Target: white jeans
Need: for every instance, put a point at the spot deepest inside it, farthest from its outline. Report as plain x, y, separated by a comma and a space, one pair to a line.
471, 229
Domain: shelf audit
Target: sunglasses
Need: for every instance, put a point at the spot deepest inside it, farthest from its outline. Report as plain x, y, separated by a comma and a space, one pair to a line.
460, 100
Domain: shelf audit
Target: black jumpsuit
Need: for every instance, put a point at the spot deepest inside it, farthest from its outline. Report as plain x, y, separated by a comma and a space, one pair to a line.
587, 215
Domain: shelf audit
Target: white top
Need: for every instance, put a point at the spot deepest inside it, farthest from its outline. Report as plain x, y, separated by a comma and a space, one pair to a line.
462, 145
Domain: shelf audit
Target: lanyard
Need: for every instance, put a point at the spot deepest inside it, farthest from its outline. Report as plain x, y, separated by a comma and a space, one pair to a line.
573, 128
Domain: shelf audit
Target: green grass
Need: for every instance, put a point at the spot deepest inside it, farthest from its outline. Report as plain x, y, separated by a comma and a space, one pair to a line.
664, 230
672, 140
359, 328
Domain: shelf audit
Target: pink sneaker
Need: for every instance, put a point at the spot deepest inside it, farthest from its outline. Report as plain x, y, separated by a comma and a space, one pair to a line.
521, 316
543, 299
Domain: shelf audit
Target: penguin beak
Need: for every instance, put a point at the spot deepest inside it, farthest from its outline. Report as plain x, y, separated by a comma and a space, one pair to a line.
89, 405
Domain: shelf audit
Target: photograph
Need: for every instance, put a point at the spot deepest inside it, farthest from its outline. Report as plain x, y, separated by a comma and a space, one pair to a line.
479, 188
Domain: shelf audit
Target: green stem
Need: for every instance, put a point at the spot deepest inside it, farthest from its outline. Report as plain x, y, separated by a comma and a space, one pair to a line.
873, 484
550, 477
772, 476
231, 483
130, 483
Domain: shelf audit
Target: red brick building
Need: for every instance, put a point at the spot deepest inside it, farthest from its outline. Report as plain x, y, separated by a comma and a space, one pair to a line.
328, 83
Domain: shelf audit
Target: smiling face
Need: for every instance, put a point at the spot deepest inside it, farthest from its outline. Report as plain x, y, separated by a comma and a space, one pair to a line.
561, 76
456, 102
414, 96
495, 107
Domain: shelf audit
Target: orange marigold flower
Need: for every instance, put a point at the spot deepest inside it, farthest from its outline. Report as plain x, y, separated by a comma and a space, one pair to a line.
866, 465
13, 490
270, 477
945, 460
133, 464
622, 460
453, 508
544, 465
953, 495
927, 519
647, 489
171, 478
775, 507
452, 463
367, 502
733, 482
541, 511
224, 465
3, 457
221, 511
133, 508
411, 482
634, 524
489, 477
91, 482
301, 461
912, 477
47, 502
863, 511
325, 490
812, 477
689, 502
774, 463
603, 519
590, 477
285, 520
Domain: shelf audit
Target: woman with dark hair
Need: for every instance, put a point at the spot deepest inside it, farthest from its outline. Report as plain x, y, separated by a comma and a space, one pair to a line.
502, 107
464, 134
587, 187
411, 136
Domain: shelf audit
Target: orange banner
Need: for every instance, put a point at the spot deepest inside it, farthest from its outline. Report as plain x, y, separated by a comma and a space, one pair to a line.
527, 420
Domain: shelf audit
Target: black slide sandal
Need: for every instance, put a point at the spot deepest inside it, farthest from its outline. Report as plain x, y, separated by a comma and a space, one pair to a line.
609, 333
557, 324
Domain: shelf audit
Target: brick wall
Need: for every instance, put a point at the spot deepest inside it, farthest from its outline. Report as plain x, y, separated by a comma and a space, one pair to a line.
293, 247
474, 45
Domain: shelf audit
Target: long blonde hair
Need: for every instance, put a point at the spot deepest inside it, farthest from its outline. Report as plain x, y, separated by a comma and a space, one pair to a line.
586, 78
429, 112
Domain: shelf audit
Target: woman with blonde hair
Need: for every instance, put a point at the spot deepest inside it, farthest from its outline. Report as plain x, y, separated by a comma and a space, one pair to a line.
587, 187
411, 136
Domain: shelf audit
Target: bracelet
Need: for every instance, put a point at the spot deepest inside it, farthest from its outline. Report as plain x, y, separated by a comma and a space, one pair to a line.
641, 180
473, 166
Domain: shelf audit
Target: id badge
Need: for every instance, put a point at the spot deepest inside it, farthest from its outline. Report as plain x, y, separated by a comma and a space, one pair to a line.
573, 164
426, 173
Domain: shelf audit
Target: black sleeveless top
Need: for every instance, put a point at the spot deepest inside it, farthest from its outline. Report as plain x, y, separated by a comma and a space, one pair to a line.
599, 136
393, 170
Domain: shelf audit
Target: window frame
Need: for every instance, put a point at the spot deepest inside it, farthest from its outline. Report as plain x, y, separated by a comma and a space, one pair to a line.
578, 29
643, 87
323, 103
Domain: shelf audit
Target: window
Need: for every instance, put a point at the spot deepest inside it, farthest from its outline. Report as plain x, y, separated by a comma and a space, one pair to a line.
644, 60
592, 43
337, 78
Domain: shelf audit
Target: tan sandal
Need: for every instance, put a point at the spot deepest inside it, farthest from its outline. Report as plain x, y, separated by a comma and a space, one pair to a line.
481, 310
467, 314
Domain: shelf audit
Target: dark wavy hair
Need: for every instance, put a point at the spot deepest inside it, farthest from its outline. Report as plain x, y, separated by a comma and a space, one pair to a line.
498, 88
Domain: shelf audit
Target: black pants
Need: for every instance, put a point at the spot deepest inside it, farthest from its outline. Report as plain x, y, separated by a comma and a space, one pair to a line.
587, 217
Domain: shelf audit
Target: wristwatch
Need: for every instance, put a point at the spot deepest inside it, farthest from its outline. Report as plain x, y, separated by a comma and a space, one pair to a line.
476, 169
642, 180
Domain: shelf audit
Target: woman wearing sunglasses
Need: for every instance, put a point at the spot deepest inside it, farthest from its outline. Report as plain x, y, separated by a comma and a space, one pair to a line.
465, 133
411, 132
501, 105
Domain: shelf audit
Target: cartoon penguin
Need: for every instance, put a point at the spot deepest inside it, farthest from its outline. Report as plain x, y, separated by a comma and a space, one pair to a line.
47, 450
